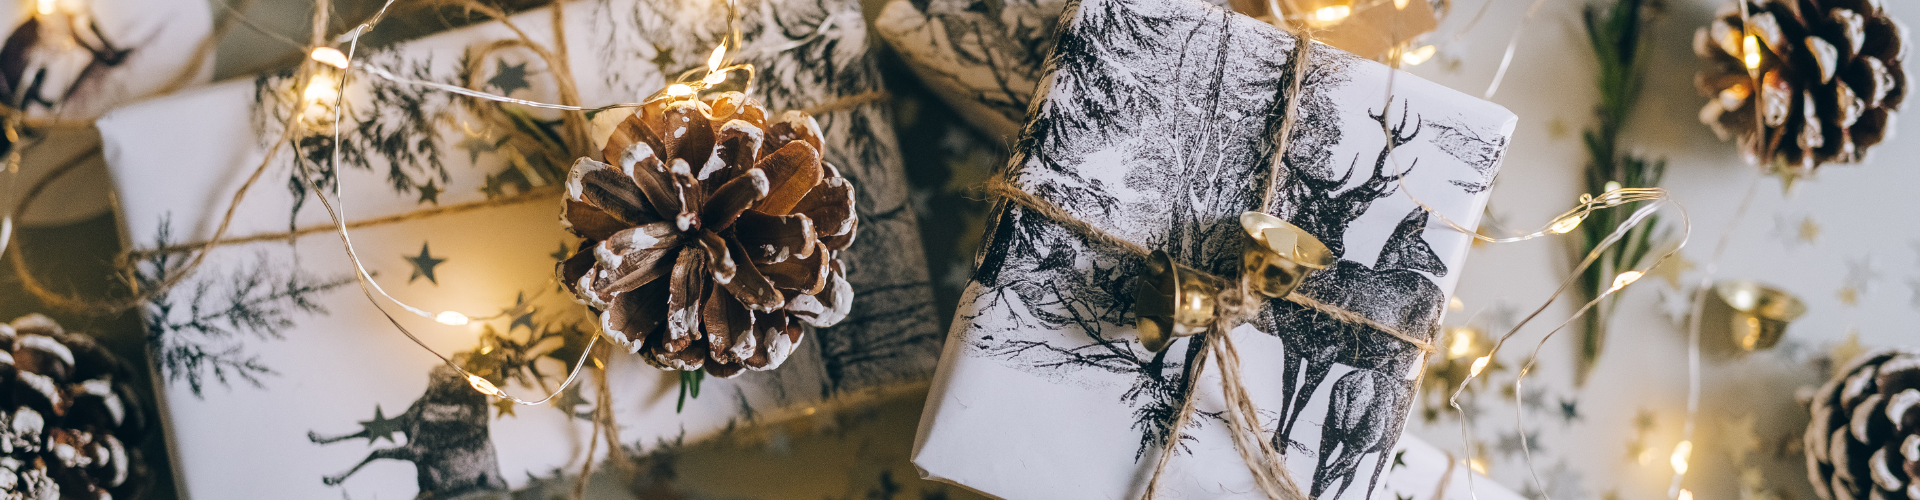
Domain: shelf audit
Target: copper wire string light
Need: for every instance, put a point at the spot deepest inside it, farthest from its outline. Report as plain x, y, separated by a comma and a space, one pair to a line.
717, 72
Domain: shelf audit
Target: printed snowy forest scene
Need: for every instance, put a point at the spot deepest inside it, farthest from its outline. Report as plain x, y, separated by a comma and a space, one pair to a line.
1156, 124
276, 332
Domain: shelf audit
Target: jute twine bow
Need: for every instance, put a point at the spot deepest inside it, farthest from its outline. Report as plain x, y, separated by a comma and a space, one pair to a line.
1236, 305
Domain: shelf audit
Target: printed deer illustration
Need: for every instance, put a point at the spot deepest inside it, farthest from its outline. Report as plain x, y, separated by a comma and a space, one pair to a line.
1393, 292
447, 438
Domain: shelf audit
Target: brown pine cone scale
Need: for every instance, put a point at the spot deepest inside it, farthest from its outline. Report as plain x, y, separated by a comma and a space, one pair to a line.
711, 234
67, 419
1829, 76
1864, 440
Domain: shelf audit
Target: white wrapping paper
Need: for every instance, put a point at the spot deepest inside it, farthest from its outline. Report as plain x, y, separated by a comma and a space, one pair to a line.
1154, 123
282, 381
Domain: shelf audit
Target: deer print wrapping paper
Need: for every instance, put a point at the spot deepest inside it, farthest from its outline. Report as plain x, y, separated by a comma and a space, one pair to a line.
982, 57
281, 380
1154, 125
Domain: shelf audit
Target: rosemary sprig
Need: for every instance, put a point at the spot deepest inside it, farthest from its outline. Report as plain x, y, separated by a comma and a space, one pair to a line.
1615, 32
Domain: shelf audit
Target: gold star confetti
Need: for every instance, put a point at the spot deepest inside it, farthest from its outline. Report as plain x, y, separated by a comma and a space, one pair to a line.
1672, 269
1809, 230
1742, 441
505, 406
1849, 295
1845, 351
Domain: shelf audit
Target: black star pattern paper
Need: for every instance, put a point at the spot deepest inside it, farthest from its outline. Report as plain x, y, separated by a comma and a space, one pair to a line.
430, 193
509, 78
423, 265
381, 427
1569, 410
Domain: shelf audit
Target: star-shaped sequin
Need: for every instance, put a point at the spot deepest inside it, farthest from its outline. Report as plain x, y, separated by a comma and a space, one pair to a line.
423, 265
1569, 410
563, 253
509, 78
1848, 295
1514, 443
505, 407
430, 193
1672, 269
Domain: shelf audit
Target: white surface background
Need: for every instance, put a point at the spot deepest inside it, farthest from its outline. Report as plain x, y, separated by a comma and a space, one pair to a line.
1861, 211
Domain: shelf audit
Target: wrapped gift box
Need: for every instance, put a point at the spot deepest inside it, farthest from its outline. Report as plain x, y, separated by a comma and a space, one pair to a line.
1156, 126
280, 378
983, 59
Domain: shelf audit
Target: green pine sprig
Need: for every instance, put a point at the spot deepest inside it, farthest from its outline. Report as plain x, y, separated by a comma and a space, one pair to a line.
1616, 33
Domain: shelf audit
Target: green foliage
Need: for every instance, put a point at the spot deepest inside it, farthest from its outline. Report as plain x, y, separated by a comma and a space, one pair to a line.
1616, 34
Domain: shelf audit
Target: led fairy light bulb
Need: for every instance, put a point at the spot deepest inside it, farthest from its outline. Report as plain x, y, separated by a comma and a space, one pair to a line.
46, 7
1750, 51
1681, 453
1416, 56
329, 56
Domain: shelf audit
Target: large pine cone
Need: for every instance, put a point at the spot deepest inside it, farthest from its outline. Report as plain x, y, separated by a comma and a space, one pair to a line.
1864, 441
69, 422
1830, 79
711, 234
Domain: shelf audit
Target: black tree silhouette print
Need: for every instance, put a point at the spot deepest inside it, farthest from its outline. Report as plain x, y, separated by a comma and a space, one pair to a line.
197, 331
1184, 102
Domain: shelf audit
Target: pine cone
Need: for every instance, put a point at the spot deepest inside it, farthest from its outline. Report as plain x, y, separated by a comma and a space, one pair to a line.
1864, 440
69, 416
711, 234
1830, 77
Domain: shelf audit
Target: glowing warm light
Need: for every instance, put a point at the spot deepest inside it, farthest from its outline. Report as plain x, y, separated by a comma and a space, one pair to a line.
1684, 495
1455, 304
1460, 342
46, 7
1681, 452
1332, 14
1479, 363
1624, 279
485, 387
1416, 56
719, 54
715, 78
1645, 457
679, 91
1401, 4
330, 56
320, 89
452, 318
1478, 465
1564, 226
1751, 49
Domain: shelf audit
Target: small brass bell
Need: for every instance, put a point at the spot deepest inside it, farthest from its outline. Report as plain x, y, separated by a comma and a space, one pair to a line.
1171, 300
1277, 256
1760, 312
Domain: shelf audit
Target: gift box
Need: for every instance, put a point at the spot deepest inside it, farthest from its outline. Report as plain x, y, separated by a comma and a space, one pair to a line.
280, 378
1157, 126
983, 59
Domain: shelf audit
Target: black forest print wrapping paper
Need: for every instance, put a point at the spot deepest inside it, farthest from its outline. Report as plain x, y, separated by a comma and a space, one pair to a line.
1154, 123
281, 379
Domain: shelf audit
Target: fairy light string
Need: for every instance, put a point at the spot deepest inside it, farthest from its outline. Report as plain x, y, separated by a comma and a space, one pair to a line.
717, 72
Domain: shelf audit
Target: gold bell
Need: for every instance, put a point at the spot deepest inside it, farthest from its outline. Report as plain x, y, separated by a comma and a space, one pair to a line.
1277, 256
1760, 312
1171, 300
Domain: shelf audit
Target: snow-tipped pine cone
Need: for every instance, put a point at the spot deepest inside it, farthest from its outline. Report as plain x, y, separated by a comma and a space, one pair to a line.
68, 420
711, 234
1830, 76
1864, 440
